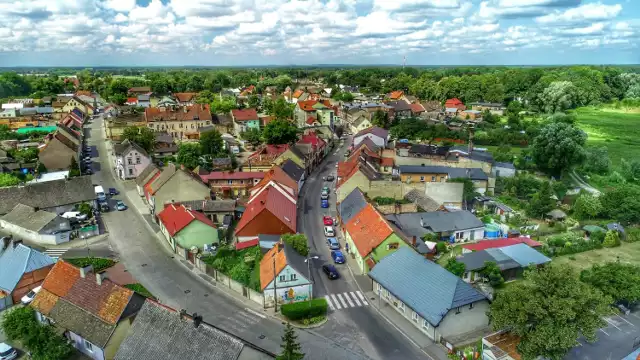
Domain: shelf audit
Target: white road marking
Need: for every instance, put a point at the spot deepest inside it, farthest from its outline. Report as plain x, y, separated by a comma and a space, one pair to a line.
611, 323
256, 313
362, 298
635, 315
344, 304
346, 296
56, 253
625, 320
328, 298
604, 332
355, 298
335, 301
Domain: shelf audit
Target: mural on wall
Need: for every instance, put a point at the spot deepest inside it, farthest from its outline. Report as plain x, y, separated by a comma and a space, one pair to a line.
291, 296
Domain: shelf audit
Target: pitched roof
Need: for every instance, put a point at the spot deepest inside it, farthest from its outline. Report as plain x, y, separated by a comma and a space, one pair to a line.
417, 108
310, 105
396, 94
194, 112
421, 199
498, 243
313, 139
175, 218
140, 89
48, 194
284, 255
351, 205
272, 200
399, 105
278, 175
439, 221
244, 114
387, 161
124, 147
297, 93
147, 174
292, 169
523, 254
452, 172
508, 257
185, 97
162, 178
266, 154
425, 287
454, 102
29, 218
16, 260
231, 175
368, 143
374, 130
368, 229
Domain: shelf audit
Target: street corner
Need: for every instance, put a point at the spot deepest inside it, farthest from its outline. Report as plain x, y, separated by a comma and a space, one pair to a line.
306, 325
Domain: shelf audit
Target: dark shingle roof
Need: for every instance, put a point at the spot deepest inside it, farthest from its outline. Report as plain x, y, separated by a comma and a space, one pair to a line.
425, 287
399, 105
351, 205
126, 146
506, 165
48, 194
374, 130
210, 205
439, 221
292, 169
508, 257
452, 172
477, 155
146, 174
68, 316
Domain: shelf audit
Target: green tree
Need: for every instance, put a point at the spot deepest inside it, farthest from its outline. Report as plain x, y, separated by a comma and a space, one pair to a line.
491, 271
541, 202
380, 119
615, 279
74, 169
298, 242
254, 101
597, 161
559, 96
630, 169
587, 206
8, 180
290, 346
281, 110
253, 136
119, 98
280, 132
142, 136
551, 303
339, 130
611, 239
188, 154
455, 267
622, 204
559, 146
211, 143
86, 209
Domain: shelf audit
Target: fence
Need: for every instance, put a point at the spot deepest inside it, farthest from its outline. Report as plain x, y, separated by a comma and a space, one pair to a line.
226, 281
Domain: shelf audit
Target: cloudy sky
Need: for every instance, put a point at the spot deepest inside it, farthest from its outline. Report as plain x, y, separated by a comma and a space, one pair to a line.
302, 32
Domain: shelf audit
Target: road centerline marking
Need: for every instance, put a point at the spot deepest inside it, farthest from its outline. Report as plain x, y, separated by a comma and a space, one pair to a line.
355, 298
344, 304
364, 301
333, 297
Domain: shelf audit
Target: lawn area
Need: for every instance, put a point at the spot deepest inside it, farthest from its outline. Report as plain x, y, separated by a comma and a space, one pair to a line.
453, 252
98, 264
626, 253
140, 290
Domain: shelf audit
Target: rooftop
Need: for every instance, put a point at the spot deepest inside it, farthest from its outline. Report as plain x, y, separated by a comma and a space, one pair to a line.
16, 260
508, 257
48, 194
368, 229
177, 217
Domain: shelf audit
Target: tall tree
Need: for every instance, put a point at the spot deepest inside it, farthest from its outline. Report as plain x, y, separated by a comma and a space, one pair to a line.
381, 119
587, 206
188, 154
455, 267
211, 142
254, 101
549, 310
542, 202
281, 110
559, 146
290, 346
142, 136
559, 96
618, 280
280, 132
253, 136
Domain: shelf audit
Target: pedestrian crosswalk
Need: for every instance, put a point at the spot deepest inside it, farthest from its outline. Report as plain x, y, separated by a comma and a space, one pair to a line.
346, 300
56, 253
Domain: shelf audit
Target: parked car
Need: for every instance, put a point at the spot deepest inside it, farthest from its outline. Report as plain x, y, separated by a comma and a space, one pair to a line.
104, 206
327, 220
336, 164
7, 352
30, 295
329, 232
324, 196
326, 190
333, 243
324, 203
75, 215
120, 206
331, 271
113, 191
337, 257
330, 178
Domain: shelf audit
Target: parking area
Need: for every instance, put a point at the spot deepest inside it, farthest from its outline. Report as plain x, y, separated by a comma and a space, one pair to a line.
618, 339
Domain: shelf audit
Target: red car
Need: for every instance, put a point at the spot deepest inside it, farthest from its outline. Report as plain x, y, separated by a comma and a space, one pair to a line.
327, 220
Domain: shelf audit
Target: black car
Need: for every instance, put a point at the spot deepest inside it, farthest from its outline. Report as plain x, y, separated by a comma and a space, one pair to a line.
330, 178
331, 271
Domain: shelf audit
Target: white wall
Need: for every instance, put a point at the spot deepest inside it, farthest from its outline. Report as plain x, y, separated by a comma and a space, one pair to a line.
122, 163
95, 352
376, 140
300, 288
478, 234
33, 236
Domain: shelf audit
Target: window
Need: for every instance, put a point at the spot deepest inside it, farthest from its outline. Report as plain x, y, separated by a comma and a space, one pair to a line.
293, 277
282, 278
180, 125
378, 287
138, 160
422, 178
88, 345
392, 246
433, 179
470, 306
425, 325
414, 316
230, 182
130, 171
241, 182
401, 306
129, 161
459, 235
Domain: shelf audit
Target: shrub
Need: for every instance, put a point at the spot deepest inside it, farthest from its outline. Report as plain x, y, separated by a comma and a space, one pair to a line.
98, 264
305, 309
611, 239
441, 247
138, 288
299, 243
633, 235
384, 200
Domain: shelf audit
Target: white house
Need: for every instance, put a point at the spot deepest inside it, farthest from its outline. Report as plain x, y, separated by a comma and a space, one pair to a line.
130, 159
379, 136
38, 226
291, 282
454, 226
504, 169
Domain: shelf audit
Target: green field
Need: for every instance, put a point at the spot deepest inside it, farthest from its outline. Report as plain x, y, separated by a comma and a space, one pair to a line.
628, 253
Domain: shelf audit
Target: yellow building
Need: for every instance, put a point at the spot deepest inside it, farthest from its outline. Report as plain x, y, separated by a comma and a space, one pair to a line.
182, 123
75, 102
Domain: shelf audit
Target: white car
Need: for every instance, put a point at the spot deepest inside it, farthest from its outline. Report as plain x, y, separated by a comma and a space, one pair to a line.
30, 295
7, 352
74, 215
329, 232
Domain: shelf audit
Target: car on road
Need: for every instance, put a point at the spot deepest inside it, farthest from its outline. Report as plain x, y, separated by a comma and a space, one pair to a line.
120, 206
88, 171
329, 232
113, 191
104, 206
30, 295
333, 243
327, 220
326, 190
336, 164
331, 271
7, 352
77, 215
330, 178
324, 196
337, 257
324, 203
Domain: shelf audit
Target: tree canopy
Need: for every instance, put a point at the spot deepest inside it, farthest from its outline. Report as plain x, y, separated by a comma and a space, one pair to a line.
615, 279
559, 146
211, 143
279, 132
142, 136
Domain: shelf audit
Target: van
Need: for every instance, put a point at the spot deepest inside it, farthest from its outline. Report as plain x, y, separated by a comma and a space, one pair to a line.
100, 193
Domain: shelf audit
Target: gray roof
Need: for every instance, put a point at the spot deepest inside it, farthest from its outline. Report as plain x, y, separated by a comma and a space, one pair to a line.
523, 254
615, 226
295, 260
28, 218
17, 260
147, 174
221, 205
222, 161
452, 172
506, 165
508, 257
409, 225
399, 105
374, 130
483, 156
163, 137
421, 199
351, 205
157, 329
470, 173
441, 221
72, 317
425, 287
126, 146
48, 194
475, 260
165, 175
292, 169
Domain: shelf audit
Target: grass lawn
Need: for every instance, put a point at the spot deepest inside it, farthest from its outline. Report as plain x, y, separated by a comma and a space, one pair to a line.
453, 252
98, 264
140, 290
627, 253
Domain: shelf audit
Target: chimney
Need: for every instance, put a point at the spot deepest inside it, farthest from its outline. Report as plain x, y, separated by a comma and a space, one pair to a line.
413, 241
100, 277
85, 270
16, 243
197, 320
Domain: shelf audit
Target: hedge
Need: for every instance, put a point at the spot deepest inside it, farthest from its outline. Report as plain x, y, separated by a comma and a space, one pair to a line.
305, 309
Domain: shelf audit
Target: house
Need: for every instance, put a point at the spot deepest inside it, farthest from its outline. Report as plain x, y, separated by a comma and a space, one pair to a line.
76, 103
229, 184
60, 147
186, 98
499, 243
244, 119
359, 172
454, 226
139, 90
186, 230
386, 165
166, 102
401, 109
378, 136
222, 122
396, 95
91, 311
290, 282
370, 238
494, 108
181, 123
436, 173
294, 171
471, 115
358, 120
319, 148
35, 225
270, 211
130, 159
265, 157
322, 111
145, 176
22, 269
471, 157
277, 176
57, 196
351, 206
215, 210
436, 302
157, 327
512, 260
132, 101
504, 169
447, 194
455, 103
173, 184
417, 109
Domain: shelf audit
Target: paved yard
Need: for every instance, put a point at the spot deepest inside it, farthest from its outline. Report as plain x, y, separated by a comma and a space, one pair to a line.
627, 253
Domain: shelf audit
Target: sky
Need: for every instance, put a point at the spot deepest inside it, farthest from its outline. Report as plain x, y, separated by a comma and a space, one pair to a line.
296, 32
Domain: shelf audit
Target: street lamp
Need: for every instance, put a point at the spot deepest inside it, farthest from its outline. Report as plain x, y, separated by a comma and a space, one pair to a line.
308, 261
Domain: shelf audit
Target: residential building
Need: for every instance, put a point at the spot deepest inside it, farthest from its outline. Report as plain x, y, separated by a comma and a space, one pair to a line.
396, 95
187, 231
318, 148
322, 111
417, 109
401, 109
471, 115
446, 194
173, 184
76, 103
143, 100
90, 310
432, 299
499, 243
265, 157
222, 122
360, 173
22, 269
164, 145
215, 210
378, 135
271, 211
167, 102
35, 225
145, 176
139, 90
435, 173
494, 108
350, 206
369, 238
277, 176
291, 282
57, 196
244, 119
157, 326
114, 126
490, 204
453, 227
186, 98
130, 159
230, 184
470, 157
504, 169
181, 123
294, 171
512, 260
455, 103
60, 147
221, 164
358, 120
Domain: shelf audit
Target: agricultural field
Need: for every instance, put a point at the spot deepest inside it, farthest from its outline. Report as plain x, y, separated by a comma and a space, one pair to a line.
628, 253
129, 77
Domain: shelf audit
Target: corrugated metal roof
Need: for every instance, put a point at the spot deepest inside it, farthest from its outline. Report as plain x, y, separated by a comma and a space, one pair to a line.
15, 261
524, 255
425, 287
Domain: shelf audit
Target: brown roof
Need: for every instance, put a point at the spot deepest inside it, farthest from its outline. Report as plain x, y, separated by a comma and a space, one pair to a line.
266, 265
417, 108
297, 93
368, 229
279, 176
61, 278
244, 114
45, 301
63, 139
185, 97
396, 94
140, 89
193, 112
386, 161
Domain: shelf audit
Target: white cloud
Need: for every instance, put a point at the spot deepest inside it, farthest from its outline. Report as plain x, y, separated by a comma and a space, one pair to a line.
586, 12
589, 30
120, 5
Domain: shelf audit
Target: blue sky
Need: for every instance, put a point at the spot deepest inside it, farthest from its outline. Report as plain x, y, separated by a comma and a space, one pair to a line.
284, 32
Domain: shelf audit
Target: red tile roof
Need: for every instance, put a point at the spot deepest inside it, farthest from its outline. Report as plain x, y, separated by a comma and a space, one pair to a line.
498, 243
387, 161
268, 153
368, 229
231, 175
307, 105
275, 202
185, 97
311, 120
175, 218
297, 93
132, 100
198, 111
395, 95
246, 244
313, 139
451, 103
244, 114
417, 108
61, 278
277, 175
147, 187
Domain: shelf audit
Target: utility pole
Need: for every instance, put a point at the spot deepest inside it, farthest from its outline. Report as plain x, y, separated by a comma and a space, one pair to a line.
275, 295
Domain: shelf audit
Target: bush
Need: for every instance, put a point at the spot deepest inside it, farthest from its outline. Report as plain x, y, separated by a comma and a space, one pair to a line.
568, 243
441, 247
299, 243
611, 239
314, 320
633, 235
138, 288
384, 200
305, 309
98, 264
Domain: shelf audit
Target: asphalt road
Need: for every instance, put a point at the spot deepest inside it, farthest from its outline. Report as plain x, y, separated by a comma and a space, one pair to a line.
356, 326
160, 272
